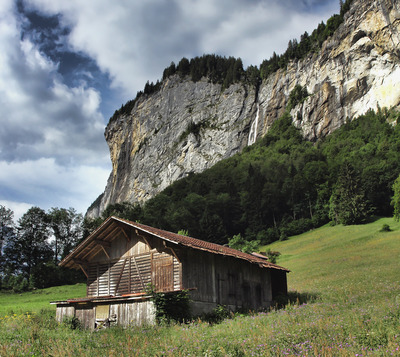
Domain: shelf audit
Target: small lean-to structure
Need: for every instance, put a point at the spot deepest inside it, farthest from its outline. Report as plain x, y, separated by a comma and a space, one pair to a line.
122, 258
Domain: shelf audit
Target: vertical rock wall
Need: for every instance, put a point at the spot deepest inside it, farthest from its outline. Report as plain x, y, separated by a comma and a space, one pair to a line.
187, 127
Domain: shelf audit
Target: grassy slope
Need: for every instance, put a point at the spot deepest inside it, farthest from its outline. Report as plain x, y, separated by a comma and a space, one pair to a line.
342, 259
353, 271
37, 300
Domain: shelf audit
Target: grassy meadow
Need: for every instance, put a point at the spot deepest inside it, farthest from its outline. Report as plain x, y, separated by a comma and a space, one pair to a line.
345, 301
37, 300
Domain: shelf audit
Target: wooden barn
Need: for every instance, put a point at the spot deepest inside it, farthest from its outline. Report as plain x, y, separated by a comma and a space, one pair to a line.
121, 258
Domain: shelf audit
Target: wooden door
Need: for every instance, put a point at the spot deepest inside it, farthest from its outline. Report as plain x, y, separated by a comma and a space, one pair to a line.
163, 273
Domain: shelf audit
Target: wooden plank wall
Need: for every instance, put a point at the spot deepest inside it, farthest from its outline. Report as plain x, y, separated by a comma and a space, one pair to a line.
123, 313
63, 311
86, 315
227, 281
129, 275
133, 313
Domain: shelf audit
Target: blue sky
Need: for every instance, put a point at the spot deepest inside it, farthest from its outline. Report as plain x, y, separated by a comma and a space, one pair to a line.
66, 66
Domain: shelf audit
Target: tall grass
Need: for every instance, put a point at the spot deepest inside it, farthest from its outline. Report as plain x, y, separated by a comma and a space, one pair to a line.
345, 292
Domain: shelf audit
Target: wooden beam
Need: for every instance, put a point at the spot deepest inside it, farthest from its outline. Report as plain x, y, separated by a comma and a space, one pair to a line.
113, 231
97, 280
107, 232
99, 242
124, 233
109, 275
105, 252
120, 276
144, 238
137, 268
173, 252
130, 276
80, 261
103, 243
84, 270
95, 248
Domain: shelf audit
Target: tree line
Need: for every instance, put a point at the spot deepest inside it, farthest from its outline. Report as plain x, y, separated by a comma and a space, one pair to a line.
298, 50
31, 249
218, 70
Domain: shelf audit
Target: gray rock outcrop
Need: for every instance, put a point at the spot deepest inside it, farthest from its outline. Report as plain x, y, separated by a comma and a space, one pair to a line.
187, 127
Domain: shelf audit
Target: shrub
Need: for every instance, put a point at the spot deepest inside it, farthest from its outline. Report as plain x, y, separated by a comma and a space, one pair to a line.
216, 316
298, 226
272, 255
297, 95
72, 322
171, 306
385, 228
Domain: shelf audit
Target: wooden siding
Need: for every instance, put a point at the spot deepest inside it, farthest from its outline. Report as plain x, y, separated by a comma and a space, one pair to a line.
226, 281
85, 314
64, 311
131, 275
132, 313
97, 314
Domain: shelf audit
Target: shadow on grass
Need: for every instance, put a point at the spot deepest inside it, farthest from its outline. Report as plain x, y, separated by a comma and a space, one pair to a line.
295, 298
221, 312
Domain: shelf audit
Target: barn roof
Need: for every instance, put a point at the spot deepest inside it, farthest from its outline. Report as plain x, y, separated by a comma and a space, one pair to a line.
103, 234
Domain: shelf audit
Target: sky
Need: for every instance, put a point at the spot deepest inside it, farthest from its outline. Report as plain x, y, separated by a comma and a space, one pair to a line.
66, 66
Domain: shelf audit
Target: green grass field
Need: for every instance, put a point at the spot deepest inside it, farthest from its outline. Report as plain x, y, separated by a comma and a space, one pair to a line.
346, 281
35, 301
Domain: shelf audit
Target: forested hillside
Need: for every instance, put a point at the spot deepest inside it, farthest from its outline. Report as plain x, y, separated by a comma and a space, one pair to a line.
284, 185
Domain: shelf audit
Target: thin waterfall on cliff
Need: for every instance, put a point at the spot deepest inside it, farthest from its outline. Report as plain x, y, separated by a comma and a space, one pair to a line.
253, 128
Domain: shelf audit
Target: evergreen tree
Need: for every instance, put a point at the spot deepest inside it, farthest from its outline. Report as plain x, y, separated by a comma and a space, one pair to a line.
396, 199
348, 204
183, 67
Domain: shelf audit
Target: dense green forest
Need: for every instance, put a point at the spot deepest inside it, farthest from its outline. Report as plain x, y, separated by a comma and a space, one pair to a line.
284, 185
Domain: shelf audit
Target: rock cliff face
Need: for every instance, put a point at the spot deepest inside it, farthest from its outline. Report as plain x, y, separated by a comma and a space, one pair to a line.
187, 127
356, 70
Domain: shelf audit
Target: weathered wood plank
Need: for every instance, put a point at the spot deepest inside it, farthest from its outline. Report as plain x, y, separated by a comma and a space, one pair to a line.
63, 312
119, 277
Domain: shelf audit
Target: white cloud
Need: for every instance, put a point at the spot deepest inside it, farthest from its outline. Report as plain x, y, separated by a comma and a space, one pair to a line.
41, 116
46, 184
135, 40
17, 207
52, 148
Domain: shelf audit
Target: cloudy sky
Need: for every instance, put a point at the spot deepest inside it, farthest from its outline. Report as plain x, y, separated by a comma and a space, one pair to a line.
66, 66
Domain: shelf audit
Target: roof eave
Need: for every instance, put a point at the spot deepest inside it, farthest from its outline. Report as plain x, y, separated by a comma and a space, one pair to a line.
68, 261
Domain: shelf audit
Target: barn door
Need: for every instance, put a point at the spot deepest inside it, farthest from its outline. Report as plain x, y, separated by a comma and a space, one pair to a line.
163, 272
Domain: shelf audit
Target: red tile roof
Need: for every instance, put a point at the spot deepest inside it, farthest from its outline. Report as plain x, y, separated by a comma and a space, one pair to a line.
177, 239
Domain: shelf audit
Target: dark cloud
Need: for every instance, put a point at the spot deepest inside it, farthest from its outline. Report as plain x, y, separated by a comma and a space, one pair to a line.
52, 150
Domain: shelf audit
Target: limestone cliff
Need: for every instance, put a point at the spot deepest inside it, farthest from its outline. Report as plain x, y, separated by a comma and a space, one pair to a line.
187, 127
357, 69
